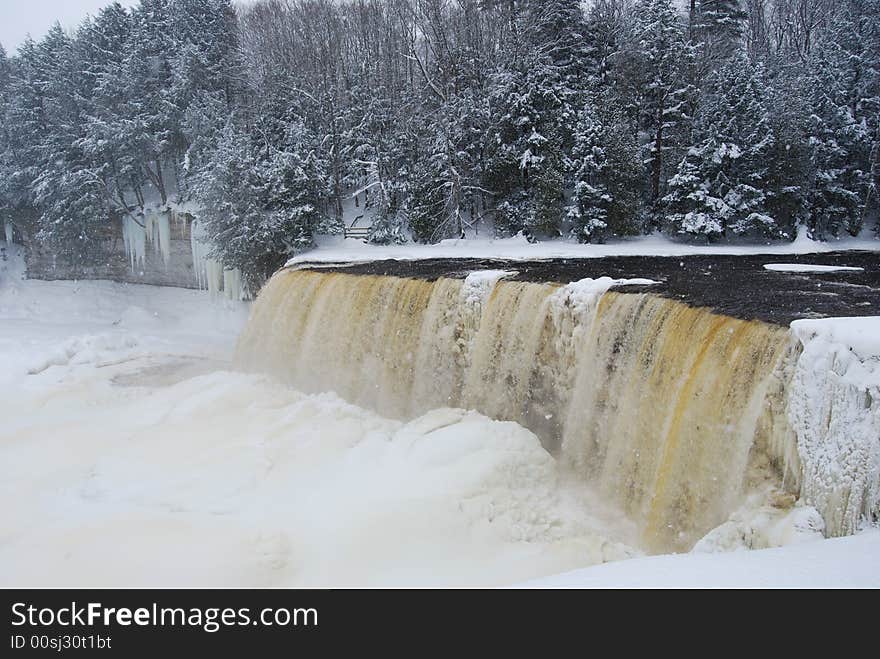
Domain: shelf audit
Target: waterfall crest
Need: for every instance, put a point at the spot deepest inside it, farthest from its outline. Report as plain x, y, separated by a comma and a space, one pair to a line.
661, 406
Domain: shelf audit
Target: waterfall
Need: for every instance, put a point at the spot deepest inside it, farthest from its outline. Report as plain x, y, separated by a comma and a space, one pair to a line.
672, 413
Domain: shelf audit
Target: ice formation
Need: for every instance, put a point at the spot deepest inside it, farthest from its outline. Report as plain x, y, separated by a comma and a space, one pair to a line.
157, 228
134, 236
232, 284
7, 226
210, 273
153, 228
809, 267
834, 410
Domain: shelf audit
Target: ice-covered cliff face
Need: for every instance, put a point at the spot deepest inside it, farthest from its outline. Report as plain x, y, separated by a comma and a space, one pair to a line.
834, 410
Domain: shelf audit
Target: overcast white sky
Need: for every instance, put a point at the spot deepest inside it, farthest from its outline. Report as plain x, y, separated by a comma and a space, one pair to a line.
20, 17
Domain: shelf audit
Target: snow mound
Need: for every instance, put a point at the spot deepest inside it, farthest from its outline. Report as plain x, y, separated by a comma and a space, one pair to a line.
834, 409
477, 285
809, 267
581, 296
233, 479
759, 524
89, 349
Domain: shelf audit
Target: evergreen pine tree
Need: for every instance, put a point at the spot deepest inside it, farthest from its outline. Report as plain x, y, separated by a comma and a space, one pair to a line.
721, 184
607, 173
718, 27
843, 112
654, 77
259, 202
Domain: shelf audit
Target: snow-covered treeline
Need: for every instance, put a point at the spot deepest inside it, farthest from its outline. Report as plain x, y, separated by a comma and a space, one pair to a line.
440, 118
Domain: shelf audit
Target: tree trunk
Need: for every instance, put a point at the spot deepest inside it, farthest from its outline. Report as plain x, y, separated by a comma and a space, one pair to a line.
160, 183
657, 160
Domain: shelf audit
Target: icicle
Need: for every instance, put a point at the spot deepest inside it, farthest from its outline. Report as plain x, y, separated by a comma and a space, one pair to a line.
134, 236
214, 276
163, 228
200, 248
8, 227
149, 231
232, 284
210, 273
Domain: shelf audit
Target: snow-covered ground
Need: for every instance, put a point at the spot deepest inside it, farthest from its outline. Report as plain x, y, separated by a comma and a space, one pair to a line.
334, 249
130, 454
850, 562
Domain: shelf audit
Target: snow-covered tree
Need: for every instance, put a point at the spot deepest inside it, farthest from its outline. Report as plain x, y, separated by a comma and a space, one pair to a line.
721, 184
534, 98
377, 145
843, 125
654, 77
718, 27
438, 115
259, 202
607, 173
789, 166
446, 197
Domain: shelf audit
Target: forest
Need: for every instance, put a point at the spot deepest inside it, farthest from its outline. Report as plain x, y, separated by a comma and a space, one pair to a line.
277, 120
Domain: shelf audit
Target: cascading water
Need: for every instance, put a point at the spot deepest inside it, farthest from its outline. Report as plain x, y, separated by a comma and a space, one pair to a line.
670, 412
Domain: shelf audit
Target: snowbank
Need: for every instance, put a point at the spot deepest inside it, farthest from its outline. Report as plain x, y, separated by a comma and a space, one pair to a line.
477, 285
839, 563
332, 249
583, 294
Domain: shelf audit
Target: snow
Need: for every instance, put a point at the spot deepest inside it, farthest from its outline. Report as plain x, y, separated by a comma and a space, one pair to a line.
333, 249
834, 409
758, 524
808, 267
137, 458
582, 295
132, 456
477, 285
838, 563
